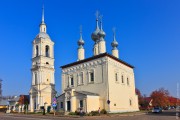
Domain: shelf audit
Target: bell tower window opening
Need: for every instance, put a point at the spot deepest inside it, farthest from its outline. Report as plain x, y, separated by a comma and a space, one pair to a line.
37, 51
35, 78
47, 51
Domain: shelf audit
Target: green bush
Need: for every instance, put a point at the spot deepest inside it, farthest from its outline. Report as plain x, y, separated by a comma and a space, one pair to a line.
94, 113
72, 113
77, 113
103, 111
51, 112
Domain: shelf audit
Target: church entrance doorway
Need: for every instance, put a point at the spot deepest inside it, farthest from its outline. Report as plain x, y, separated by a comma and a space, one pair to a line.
68, 106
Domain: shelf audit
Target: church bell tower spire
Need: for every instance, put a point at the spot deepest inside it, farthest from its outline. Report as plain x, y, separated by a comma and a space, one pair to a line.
42, 14
43, 25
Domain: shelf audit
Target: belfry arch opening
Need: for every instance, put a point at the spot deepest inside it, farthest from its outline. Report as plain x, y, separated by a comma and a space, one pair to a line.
37, 51
47, 51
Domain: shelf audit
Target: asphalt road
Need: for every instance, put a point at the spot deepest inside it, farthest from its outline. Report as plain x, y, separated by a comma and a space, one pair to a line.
165, 115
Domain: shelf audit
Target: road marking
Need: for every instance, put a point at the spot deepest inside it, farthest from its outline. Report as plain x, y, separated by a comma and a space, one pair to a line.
27, 118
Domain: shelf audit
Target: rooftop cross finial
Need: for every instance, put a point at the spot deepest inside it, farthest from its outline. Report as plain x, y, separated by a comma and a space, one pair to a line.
97, 16
114, 33
80, 31
43, 13
100, 17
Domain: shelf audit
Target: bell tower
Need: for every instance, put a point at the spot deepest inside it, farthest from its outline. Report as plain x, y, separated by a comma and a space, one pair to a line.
43, 84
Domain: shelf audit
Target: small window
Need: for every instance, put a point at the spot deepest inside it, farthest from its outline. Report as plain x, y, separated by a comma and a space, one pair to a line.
80, 78
61, 104
130, 102
91, 77
116, 77
122, 78
47, 80
127, 81
81, 103
47, 63
72, 81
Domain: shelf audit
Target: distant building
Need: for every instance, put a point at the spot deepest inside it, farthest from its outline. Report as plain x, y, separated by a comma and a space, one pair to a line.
3, 104
43, 85
23, 102
102, 81
14, 103
18, 103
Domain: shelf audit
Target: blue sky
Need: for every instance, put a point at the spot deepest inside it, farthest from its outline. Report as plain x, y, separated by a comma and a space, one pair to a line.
148, 33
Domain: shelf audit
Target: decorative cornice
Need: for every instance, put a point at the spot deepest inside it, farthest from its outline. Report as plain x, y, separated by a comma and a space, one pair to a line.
85, 66
39, 67
96, 57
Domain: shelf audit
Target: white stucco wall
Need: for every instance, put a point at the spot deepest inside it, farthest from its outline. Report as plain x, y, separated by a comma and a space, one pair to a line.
104, 84
120, 93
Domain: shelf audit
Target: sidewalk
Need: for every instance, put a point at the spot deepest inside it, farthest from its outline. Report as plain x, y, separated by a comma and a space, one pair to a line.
76, 116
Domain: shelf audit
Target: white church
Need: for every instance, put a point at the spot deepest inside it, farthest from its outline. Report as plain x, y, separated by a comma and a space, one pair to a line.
102, 81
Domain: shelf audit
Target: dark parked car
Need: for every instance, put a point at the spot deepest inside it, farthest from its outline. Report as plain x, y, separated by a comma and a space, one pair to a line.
157, 110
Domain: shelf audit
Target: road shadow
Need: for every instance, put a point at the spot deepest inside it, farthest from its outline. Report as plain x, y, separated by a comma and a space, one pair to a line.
165, 113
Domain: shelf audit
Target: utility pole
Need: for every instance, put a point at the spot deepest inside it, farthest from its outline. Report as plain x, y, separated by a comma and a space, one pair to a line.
0, 89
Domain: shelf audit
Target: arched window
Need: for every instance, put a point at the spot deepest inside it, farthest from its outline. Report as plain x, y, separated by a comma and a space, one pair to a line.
91, 76
122, 78
127, 81
81, 78
72, 80
130, 102
116, 77
47, 51
37, 51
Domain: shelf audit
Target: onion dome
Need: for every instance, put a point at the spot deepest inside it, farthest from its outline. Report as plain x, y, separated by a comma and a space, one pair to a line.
95, 35
80, 41
114, 44
101, 33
